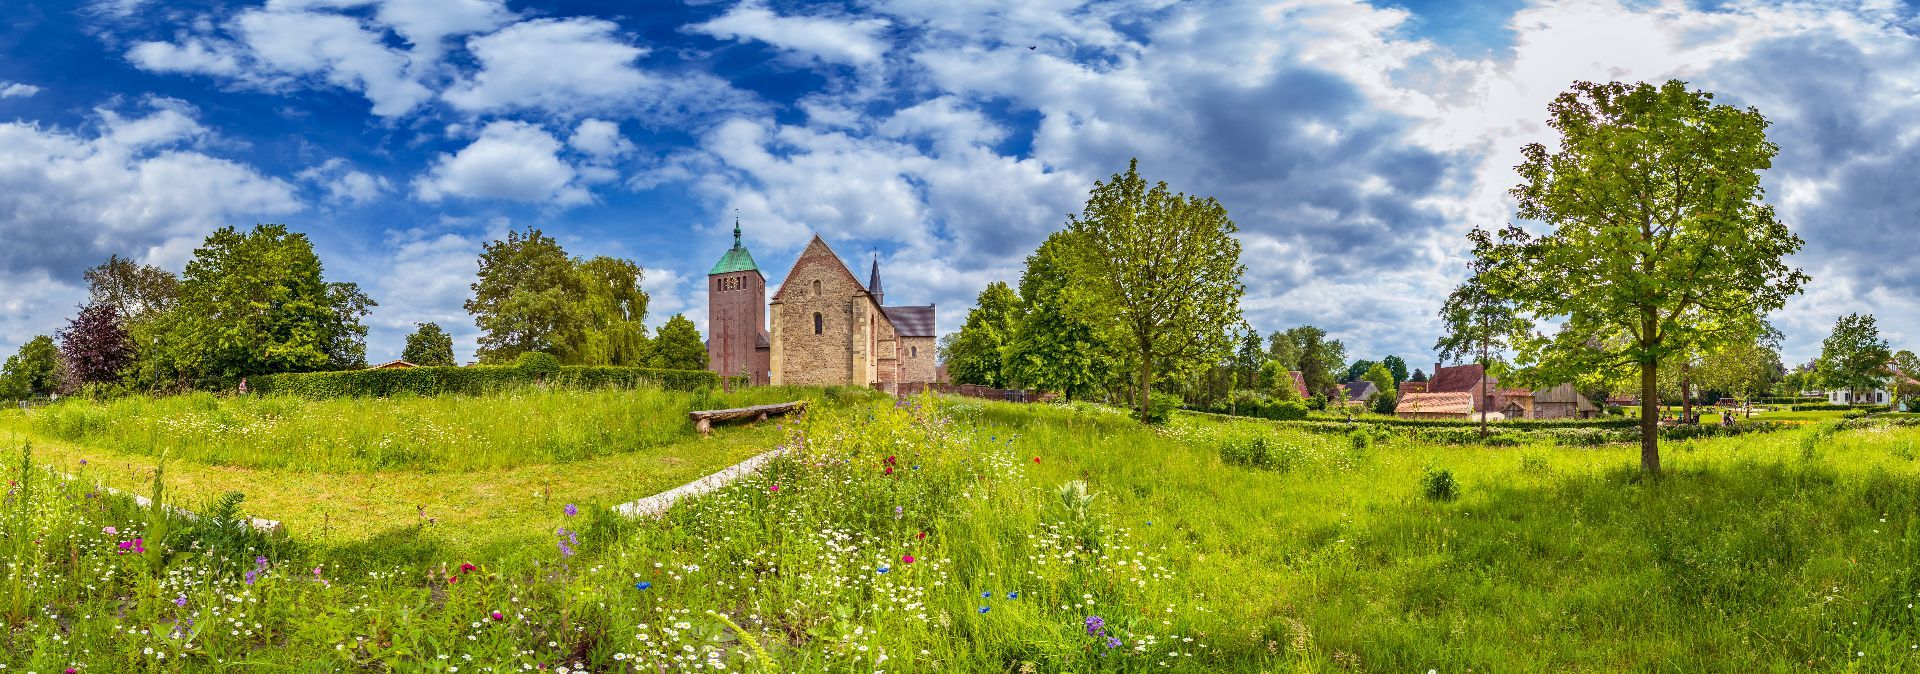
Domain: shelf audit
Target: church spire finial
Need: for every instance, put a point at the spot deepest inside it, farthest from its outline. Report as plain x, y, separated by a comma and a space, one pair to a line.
736, 228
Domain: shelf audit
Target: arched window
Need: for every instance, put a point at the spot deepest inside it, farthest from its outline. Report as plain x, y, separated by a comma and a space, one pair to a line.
816, 288
913, 352
817, 320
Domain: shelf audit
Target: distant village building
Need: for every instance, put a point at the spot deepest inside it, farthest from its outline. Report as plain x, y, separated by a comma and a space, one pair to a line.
1360, 390
394, 365
1557, 402
1562, 402
823, 327
1456, 405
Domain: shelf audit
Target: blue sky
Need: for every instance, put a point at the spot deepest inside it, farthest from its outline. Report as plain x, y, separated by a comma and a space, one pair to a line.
1353, 142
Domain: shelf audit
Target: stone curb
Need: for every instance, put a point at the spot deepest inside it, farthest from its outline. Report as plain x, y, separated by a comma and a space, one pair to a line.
657, 504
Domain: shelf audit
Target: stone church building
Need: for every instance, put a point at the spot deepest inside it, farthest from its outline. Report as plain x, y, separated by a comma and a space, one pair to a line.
822, 327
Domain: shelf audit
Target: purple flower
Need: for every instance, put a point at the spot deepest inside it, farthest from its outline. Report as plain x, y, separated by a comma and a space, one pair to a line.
1113, 642
571, 510
1095, 624
180, 601
899, 512
252, 575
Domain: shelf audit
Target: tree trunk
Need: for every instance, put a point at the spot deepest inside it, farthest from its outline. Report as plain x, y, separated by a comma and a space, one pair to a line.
1686, 393
1146, 383
1649, 418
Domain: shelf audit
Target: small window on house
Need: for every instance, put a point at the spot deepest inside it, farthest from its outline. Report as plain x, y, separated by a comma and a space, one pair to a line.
913, 352
816, 288
817, 320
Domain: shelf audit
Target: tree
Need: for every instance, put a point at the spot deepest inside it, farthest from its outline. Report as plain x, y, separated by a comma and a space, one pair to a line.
1165, 267
136, 292
1478, 324
1381, 377
974, 355
1854, 358
1058, 342
678, 346
94, 348
428, 345
1278, 381
1418, 376
1906, 375
1318, 359
256, 303
527, 298
35, 370
1357, 370
614, 311
1397, 367
1248, 359
1741, 368
1282, 349
1658, 240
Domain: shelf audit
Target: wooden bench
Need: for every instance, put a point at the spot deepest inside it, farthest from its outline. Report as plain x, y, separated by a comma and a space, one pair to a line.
703, 419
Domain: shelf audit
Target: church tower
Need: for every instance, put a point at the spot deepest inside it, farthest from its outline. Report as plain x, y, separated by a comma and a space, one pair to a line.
736, 315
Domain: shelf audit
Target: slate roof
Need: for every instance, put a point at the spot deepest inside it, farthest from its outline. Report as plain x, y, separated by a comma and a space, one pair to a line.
1359, 390
1436, 403
911, 321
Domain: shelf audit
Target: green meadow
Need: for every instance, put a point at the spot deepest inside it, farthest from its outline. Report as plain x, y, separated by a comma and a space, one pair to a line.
950, 535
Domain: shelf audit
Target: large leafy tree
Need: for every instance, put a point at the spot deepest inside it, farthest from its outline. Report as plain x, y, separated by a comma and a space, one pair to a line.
1381, 377
1854, 358
136, 292
256, 303
973, 355
1657, 240
1166, 267
1307, 349
527, 297
1741, 368
1478, 324
1397, 367
1906, 370
1058, 342
679, 346
1248, 359
1357, 370
615, 307
94, 347
35, 370
428, 345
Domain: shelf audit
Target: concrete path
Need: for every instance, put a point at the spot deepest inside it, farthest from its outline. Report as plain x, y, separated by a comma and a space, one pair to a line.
657, 504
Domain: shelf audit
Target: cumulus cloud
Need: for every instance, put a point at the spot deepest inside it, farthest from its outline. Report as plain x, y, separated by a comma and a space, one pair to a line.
127, 184
17, 90
515, 161
344, 184
599, 138
842, 40
576, 66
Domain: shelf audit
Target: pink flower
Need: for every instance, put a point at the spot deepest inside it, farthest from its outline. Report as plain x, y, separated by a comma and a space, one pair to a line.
775, 489
498, 616
110, 531
906, 559
467, 567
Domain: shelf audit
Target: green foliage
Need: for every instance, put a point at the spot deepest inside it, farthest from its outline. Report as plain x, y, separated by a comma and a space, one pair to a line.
429, 345
1059, 342
1397, 367
1261, 406
974, 355
530, 296
1659, 238
1854, 358
679, 346
614, 308
34, 371
1166, 268
478, 379
1358, 370
1160, 406
1437, 484
1307, 349
537, 364
1385, 402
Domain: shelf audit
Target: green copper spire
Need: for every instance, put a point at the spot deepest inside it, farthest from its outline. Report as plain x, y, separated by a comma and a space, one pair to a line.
737, 258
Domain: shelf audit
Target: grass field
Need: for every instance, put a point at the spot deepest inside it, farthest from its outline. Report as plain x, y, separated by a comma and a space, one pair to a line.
953, 537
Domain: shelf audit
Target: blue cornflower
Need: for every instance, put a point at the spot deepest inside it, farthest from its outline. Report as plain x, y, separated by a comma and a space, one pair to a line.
1095, 624
984, 609
883, 569
642, 585
985, 595
1013, 595
1113, 642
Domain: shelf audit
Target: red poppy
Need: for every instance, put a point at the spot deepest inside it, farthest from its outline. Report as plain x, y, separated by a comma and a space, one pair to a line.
452, 579
1036, 459
467, 567
922, 535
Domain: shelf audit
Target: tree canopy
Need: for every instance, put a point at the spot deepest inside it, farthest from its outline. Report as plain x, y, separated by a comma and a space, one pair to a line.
1165, 267
530, 296
34, 371
1853, 357
428, 345
679, 346
95, 349
973, 355
1658, 238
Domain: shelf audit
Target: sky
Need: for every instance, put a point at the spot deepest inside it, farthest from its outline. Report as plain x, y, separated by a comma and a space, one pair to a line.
1353, 143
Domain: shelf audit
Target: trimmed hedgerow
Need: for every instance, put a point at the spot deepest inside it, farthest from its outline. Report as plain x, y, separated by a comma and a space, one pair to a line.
475, 380
1502, 425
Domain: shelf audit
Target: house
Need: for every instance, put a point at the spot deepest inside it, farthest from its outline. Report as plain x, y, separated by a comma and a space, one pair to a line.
1407, 387
1454, 405
394, 365
1880, 395
1467, 379
1299, 383
1563, 402
1360, 391
1517, 403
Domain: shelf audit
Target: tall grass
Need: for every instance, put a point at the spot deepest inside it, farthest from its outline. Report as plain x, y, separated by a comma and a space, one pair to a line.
433, 434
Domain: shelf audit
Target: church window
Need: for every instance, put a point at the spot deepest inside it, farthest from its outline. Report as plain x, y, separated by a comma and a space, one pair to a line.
816, 288
913, 352
817, 320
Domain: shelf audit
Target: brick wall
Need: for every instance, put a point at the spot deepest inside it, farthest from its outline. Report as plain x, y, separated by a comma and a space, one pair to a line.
736, 310
840, 352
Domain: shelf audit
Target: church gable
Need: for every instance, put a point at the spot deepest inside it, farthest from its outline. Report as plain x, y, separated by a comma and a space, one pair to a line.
817, 262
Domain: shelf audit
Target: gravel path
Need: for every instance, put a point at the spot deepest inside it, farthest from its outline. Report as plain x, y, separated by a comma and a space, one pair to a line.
657, 504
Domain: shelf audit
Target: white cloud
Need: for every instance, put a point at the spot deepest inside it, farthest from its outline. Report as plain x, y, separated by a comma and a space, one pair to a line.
423, 279
576, 66
346, 185
191, 55
131, 185
843, 40
17, 90
515, 161
599, 138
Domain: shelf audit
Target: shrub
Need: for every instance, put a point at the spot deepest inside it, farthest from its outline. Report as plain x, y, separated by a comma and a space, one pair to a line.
1913, 404
1385, 402
1820, 407
1438, 485
1160, 407
537, 362
474, 380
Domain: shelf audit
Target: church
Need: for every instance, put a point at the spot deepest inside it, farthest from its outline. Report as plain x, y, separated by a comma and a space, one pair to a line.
821, 328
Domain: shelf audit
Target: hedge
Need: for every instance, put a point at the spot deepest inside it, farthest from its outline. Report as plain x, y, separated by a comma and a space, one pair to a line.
1835, 407
473, 379
1504, 434
1504, 424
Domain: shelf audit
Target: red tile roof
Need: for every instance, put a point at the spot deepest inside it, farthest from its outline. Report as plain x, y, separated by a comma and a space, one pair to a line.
1459, 379
1435, 403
